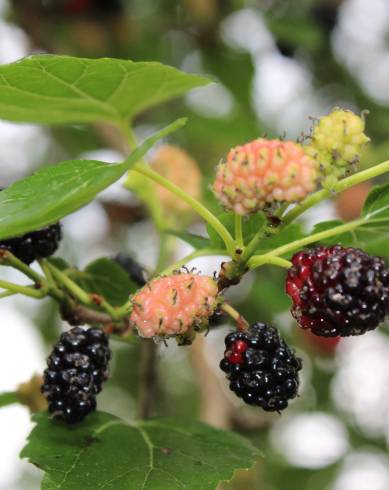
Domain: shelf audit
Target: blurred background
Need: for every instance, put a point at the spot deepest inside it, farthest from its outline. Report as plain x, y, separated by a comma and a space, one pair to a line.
276, 63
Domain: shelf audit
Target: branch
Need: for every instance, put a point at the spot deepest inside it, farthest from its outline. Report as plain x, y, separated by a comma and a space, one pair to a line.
148, 378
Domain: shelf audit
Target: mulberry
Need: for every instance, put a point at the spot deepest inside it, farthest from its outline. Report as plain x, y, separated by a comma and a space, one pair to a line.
77, 367
174, 305
261, 367
36, 244
338, 291
262, 173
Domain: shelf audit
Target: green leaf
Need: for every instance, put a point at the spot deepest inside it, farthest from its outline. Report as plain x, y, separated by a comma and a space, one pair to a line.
196, 241
56, 191
105, 452
250, 226
376, 207
108, 279
62, 89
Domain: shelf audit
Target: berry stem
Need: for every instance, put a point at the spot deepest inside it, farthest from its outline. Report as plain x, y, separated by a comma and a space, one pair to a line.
8, 398
43, 265
259, 260
339, 186
290, 247
81, 295
7, 258
251, 247
25, 290
241, 323
196, 205
239, 231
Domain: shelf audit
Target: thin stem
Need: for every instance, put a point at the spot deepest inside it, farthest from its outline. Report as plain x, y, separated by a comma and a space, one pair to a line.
252, 246
25, 290
46, 270
259, 260
194, 255
242, 324
7, 293
338, 187
197, 206
80, 295
7, 258
8, 398
239, 231
337, 230
128, 134
70, 285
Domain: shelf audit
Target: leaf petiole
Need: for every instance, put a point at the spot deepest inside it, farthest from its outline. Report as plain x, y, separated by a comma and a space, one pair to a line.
258, 260
25, 290
196, 205
8, 398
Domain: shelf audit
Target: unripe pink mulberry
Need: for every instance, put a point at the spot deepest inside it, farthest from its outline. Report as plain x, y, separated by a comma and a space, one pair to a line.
263, 172
174, 305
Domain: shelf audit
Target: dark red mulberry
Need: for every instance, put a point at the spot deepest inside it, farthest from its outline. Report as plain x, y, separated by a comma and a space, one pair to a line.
338, 291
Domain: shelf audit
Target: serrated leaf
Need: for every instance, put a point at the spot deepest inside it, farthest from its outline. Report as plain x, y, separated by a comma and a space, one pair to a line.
105, 452
53, 89
56, 191
108, 279
198, 242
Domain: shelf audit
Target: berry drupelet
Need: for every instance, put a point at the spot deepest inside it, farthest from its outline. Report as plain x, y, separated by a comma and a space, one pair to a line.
77, 367
34, 245
338, 291
261, 367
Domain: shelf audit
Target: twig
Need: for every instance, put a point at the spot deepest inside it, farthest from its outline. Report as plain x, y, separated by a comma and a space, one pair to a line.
215, 408
148, 378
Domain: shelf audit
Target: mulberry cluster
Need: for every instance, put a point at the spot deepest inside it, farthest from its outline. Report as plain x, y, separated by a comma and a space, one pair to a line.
337, 141
261, 367
174, 305
338, 291
77, 367
262, 173
34, 245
